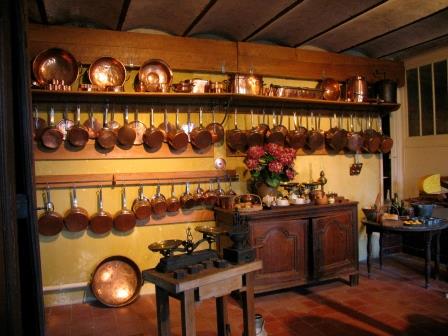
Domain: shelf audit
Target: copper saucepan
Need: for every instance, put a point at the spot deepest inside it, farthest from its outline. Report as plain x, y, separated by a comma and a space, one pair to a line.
215, 129
51, 137
200, 137
106, 138
336, 137
355, 140
211, 198
76, 218
177, 138
38, 123
278, 133
141, 205
255, 136
165, 126
236, 138
124, 219
187, 199
172, 203
139, 128
92, 125
372, 140
386, 141
153, 137
199, 196
102, 221
50, 223
65, 123
158, 203
126, 135
297, 137
78, 135
315, 137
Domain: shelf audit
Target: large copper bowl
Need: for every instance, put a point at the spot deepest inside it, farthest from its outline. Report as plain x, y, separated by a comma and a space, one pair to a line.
331, 89
55, 64
116, 282
107, 72
154, 73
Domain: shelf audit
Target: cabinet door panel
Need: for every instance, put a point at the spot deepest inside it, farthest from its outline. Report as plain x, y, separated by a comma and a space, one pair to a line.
281, 244
334, 244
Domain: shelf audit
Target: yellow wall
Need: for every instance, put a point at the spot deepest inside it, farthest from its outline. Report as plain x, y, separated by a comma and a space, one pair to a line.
71, 257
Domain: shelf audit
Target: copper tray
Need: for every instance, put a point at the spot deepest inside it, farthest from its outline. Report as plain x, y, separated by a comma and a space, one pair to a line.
155, 72
107, 72
55, 64
116, 282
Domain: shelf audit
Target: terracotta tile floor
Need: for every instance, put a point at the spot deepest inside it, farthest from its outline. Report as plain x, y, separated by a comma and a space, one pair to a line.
392, 302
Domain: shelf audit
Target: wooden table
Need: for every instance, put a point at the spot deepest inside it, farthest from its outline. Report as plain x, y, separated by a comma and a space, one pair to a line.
209, 283
392, 226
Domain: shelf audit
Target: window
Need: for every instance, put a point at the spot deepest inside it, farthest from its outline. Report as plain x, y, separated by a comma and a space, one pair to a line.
427, 91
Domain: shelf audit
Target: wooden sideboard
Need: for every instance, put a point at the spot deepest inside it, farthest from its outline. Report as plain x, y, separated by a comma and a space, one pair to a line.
301, 244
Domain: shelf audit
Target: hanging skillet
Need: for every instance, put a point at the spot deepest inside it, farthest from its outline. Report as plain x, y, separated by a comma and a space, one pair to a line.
51, 137
76, 218
126, 134
354, 139
65, 124
277, 134
315, 137
102, 221
139, 129
177, 138
50, 223
158, 203
141, 205
153, 137
200, 137
78, 135
297, 138
215, 129
255, 136
106, 138
124, 219
92, 125
372, 140
172, 203
236, 138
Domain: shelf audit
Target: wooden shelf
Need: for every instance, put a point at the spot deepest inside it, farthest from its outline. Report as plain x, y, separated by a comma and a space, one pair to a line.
182, 216
231, 99
323, 150
92, 152
120, 179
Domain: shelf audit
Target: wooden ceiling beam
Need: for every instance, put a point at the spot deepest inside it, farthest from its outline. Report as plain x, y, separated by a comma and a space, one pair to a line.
42, 11
199, 17
123, 14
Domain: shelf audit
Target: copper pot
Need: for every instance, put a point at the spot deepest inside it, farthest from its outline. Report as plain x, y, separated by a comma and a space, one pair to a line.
102, 221
50, 223
92, 125
106, 138
315, 137
78, 135
158, 203
255, 136
372, 140
236, 138
215, 129
386, 141
39, 124
297, 137
51, 137
331, 89
141, 205
278, 132
185, 86
199, 196
172, 203
200, 85
336, 137
124, 219
200, 137
246, 84
211, 197
177, 138
264, 128
356, 89
165, 127
76, 218
126, 135
153, 137
65, 123
139, 128
187, 199
354, 139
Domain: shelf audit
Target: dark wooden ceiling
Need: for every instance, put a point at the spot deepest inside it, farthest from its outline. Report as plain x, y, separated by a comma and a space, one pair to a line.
393, 29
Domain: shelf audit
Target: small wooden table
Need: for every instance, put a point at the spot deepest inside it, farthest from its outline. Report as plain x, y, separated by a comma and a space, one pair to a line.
212, 282
397, 227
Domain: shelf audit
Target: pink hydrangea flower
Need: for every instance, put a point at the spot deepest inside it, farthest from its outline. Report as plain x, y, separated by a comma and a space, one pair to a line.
251, 164
275, 167
255, 152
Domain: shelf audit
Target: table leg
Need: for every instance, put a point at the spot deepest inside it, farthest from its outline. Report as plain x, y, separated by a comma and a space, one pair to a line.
222, 318
188, 313
248, 305
428, 237
381, 250
163, 312
369, 250
437, 256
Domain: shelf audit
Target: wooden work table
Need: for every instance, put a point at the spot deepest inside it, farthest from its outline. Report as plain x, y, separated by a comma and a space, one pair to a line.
209, 283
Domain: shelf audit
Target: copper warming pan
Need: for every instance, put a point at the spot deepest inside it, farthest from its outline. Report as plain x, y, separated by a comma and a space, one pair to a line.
55, 63
116, 281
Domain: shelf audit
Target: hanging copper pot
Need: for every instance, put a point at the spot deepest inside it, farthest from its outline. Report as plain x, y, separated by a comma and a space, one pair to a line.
211, 197
139, 128
39, 124
177, 138
165, 127
297, 137
277, 133
106, 138
50, 223
386, 141
153, 137
76, 218
158, 203
315, 137
215, 129
199, 196
78, 135
200, 137
141, 205
372, 140
124, 219
172, 203
92, 125
51, 137
126, 135
255, 136
187, 199
236, 138
102, 221
336, 137
355, 139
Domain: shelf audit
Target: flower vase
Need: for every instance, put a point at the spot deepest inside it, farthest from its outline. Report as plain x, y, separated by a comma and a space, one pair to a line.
263, 189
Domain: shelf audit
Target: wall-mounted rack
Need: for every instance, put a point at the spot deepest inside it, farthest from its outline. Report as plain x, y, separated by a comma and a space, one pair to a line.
132, 179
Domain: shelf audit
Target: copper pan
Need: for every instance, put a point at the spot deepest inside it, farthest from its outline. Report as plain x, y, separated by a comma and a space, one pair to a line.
106, 138
200, 137
372, 140
154, 72
172, 203
177, 138
336, 137
278, 132
187, 199
126, 135
215, 129
76, 218
50, 223
255, 136
107, 72
297, 137
315, 137
236, 138
55, 64
331, 89
158, 203
153, 137
199, 196
78, 135
139, 128
116, 281
102, 221
386, 141
65, 123
92, 125
354, 139
211, 197
51, 137
39, 124
142, 205
165, 126
124, 219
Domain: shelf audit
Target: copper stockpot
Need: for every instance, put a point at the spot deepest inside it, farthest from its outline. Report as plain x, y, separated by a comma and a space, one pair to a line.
297, 137
51, 137
246, 84
215, 129
236, 138
200, 137
356, 89
355, 140
50, 223
153, 137
315, 137
177, 138
255, 136
106, 138
39, 124
200, 85
158, 203
141, 205
126, 135
172, 203
187, 199
124, 219
78, 135
76, 218
102, 221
